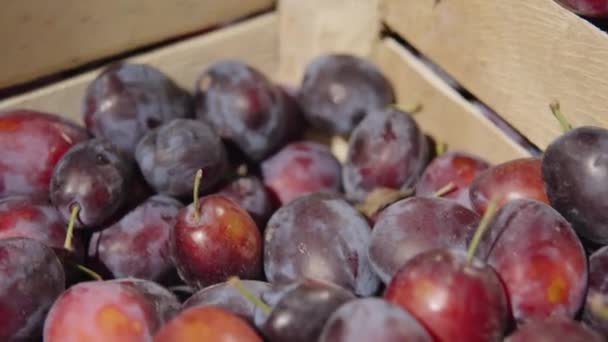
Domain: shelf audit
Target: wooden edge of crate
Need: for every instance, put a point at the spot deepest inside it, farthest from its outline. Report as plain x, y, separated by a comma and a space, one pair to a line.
41, 39
314, 27
516, 56
254, 41
445, 113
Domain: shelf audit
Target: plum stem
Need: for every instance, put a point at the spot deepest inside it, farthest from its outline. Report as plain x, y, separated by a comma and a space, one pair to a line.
444, 190
236, 282
557, 112
185, 289
197, 186
440, 148
412, 110
380, 198
70, 231
89, 272
481, 229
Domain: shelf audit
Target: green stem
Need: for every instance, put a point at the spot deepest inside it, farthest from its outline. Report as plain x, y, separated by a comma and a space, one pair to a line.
411, 110
557, 112
236, 282
70, 231
440, 148
89, 272
481, 229
197, 185
444, 190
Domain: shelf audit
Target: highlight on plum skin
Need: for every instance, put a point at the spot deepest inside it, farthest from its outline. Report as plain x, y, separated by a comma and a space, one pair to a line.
101, 311
31, 278
301, 168
31, 144
138, 245
215, 239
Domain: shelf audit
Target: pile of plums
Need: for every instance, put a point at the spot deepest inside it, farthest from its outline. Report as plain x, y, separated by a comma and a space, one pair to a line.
207, 216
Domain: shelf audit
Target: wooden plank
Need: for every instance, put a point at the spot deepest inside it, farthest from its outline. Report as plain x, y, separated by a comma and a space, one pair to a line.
517, 56
42, 37
254, 41
314, 27
445, 114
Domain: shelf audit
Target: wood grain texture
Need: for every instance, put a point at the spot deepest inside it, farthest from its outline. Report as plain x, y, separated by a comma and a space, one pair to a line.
517, 56
42, 37
309, 28
254, 41
445, 114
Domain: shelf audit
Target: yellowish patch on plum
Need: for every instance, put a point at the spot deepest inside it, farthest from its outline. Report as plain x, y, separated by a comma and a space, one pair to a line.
115, 322
557, 292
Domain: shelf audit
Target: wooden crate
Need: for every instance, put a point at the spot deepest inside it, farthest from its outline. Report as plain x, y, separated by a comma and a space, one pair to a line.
517, 56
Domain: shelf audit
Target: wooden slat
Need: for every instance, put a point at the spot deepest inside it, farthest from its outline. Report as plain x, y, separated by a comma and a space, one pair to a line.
445, 114
516, 55
309, 28
254, 41
42, 37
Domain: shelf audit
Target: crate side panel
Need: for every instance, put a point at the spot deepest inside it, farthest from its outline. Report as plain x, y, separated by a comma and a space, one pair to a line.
314, 27
254, 41
517, 56
43, 37
445, 115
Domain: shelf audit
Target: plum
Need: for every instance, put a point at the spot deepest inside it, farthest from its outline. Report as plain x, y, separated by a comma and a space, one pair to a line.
138, 245
518, 178
590, 8
126, 100
575, 173
339, 90
386, 150
101, 311
301, 168
31, 144
245, 108
372, 319
251, 194
418, 224
456, 167
301, 309
207, 324
31, 278
213, 239
539, 259
319, 236
554, 329
170, 156
456, 298
92, 177
595, 313
166, 304
225, 296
